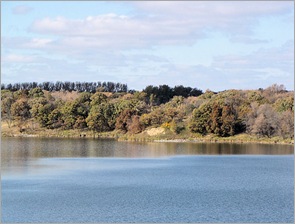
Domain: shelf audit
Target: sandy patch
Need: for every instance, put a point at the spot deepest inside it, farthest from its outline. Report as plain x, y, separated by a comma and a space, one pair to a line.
155, 131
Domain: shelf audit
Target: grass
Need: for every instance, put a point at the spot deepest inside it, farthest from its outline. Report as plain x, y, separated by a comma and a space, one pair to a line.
184, 136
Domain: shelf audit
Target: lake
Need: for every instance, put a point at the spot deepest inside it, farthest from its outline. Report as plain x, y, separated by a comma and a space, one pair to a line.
92, 180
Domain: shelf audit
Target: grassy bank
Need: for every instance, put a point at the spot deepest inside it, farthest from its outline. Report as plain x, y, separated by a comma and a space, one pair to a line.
155, 134
171, 137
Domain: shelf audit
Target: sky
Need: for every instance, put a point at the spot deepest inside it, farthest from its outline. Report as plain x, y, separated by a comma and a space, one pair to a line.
202, 44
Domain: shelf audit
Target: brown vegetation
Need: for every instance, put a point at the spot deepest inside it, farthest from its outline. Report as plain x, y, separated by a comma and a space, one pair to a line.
260, 113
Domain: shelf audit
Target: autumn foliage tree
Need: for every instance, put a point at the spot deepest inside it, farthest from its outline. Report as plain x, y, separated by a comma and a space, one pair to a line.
88, 106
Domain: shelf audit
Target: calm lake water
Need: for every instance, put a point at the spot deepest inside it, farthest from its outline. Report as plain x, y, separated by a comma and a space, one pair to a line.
91, 180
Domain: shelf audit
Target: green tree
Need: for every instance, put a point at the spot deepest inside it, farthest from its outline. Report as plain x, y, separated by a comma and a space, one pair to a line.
97, 99
20, 111
40, 110
215, 120
55, 119
110, 114
200, 120
74, 113
36, 92
229, 121
6, 103
174, 127
284, 104
81, 110
96, 120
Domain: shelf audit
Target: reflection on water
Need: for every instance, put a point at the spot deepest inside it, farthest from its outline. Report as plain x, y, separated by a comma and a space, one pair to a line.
91, 180
17, 153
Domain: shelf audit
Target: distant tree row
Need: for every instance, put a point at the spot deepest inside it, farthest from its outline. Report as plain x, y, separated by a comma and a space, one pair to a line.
163, 93
90, 87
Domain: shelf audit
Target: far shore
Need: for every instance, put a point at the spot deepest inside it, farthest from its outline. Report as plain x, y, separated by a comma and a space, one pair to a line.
142, 137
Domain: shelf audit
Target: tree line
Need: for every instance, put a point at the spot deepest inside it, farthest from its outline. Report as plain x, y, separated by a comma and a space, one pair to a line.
163, 93
157, 94
264, 112
90, 87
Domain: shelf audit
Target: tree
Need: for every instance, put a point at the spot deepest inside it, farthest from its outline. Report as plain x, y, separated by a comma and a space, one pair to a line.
165, 94
215, 121
74, 113
98, 98
40, 110
96, 120
266, 122
134, 126
182, 91
55, 119
285, 104
69, 114
229, 121
174, 127
256, 96
200, 120
195, 92
124, 119
67, 86
286, 124
36, 92
21, 94
275, 88
81, 110
176, 101
20, 111
6, 103
216, 117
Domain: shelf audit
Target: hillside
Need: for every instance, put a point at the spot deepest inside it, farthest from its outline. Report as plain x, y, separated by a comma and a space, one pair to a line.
170, 113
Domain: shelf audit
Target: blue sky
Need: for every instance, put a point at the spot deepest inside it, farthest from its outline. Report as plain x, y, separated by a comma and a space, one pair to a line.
207, 45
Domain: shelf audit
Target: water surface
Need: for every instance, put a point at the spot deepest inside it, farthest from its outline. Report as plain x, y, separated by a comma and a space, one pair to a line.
90, 180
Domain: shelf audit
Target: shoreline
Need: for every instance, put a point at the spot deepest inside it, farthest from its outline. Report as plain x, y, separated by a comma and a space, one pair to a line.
150, 135
238, 139
222, 141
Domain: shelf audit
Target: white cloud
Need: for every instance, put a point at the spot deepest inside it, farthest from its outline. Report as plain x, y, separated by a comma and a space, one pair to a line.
276, 57
114, 31
236, 17
101, 45
16, 58
26, 43
162, 23
38, 42
227, 8
259, 69
247, 40
21, 10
